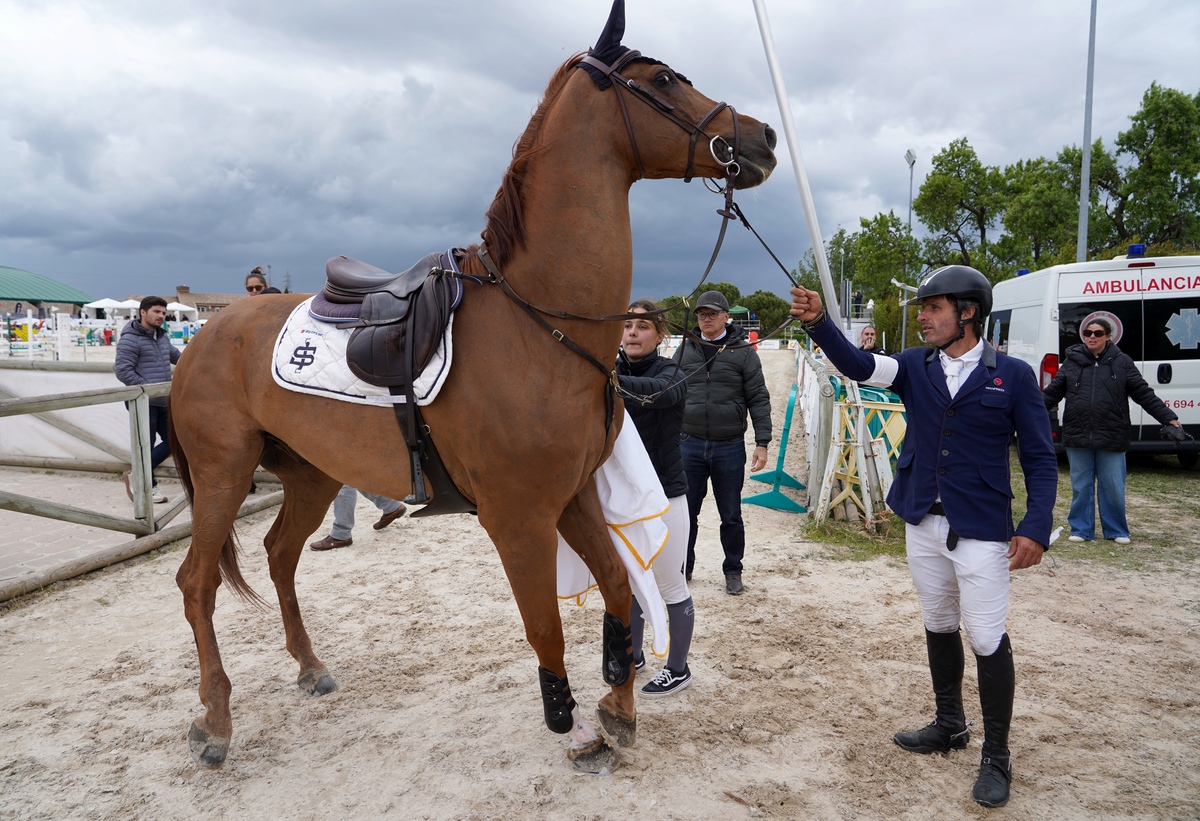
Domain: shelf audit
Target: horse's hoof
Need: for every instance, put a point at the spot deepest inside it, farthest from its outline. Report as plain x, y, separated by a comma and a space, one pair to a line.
317, 683
623, 731
208, 750
596, 758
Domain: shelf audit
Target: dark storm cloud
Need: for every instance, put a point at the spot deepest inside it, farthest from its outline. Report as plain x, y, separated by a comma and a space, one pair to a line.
143, 144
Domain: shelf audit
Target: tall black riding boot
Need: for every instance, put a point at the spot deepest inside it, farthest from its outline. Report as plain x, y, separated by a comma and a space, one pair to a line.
948, 730
997, 685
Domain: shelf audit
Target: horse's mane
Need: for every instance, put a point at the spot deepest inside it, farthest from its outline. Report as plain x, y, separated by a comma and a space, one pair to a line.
505, 230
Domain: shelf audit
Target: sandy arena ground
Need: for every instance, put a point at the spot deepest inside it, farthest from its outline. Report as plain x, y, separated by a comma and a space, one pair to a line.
798, 688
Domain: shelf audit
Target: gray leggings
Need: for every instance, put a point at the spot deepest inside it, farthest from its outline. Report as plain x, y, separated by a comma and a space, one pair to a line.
343, 509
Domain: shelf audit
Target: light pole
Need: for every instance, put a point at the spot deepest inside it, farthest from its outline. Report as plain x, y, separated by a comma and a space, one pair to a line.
1085, 167
910, 157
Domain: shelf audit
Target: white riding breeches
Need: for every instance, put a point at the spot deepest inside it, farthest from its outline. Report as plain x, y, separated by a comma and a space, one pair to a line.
968, 584
668, 566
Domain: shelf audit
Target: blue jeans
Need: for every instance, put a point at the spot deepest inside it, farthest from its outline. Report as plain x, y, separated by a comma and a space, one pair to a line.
724, 463
1092, 469
343, 510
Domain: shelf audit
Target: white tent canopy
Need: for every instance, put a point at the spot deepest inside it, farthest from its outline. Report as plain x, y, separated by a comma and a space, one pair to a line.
105, 303
129, 303
179, 308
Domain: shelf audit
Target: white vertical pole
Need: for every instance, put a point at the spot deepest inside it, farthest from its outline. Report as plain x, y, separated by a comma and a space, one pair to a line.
1085, 171
829, 294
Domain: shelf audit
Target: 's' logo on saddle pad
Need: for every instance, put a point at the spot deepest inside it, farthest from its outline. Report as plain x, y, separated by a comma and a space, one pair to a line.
303, 356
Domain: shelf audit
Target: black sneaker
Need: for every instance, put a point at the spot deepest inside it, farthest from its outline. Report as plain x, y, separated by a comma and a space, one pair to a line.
668, 681
733, 584
640, 662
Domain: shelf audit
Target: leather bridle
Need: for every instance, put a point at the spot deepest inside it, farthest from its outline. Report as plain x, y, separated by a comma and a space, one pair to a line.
622, 83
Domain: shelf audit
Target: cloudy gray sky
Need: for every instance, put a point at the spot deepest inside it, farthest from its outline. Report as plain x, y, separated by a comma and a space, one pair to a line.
145, 144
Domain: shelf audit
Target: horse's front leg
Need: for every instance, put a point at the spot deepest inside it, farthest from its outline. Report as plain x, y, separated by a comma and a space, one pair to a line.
582, 525
528, 548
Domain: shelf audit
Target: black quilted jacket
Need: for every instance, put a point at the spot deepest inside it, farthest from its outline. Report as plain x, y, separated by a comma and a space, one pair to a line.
660, 420
1096, 388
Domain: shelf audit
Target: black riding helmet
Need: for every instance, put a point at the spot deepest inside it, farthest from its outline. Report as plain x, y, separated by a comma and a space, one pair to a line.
958, 282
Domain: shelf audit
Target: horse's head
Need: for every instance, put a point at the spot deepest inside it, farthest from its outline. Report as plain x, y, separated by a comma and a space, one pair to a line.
670, 114
675, 131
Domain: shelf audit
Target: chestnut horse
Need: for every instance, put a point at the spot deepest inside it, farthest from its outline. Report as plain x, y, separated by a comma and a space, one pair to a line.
522, 421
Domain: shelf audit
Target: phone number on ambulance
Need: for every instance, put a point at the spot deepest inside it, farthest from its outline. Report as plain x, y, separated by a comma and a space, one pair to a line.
1181, 403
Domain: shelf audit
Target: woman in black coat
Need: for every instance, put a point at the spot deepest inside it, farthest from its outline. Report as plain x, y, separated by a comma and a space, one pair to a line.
1097, 380
655, 394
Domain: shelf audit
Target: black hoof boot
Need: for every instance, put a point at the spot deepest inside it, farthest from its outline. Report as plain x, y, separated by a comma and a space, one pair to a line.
934, 738
991, 787
618, 651
557, 701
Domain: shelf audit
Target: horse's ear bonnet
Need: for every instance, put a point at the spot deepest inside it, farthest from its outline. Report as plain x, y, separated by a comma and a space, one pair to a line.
608, 48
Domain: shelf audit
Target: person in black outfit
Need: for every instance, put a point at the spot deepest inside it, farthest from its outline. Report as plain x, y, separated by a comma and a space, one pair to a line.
866, 342
1098, 378
725, 385
655, 394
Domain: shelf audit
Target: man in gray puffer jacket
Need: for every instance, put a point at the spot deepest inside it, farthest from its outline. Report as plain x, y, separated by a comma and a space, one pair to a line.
145, 355
724, 385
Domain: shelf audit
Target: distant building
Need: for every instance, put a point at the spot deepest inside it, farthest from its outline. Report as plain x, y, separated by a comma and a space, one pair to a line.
207, 304
22, 291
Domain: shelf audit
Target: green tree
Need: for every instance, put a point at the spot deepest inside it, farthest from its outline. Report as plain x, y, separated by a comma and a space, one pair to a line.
1106, 207
885, 250
840, 253
1163, 182
959, 201
1041, 214
770, 309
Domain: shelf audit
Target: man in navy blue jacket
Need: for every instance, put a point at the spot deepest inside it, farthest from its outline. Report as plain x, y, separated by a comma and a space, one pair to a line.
964, 401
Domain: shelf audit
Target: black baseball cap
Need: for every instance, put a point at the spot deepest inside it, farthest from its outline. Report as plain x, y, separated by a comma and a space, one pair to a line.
714, 300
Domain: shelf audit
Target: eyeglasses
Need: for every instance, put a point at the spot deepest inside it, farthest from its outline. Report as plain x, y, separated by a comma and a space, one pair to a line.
253, 289
1090, 332
707, 315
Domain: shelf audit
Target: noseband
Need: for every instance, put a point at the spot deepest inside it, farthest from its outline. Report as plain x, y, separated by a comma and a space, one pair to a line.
722, 152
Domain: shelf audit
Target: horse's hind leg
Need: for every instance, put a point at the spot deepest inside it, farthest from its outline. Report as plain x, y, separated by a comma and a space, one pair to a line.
582, 525
219, 483
307, 493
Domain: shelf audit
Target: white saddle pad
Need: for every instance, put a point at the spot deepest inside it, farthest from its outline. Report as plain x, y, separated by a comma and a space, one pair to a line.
310, 357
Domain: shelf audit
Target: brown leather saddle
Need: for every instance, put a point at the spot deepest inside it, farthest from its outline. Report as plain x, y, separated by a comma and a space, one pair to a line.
398, 321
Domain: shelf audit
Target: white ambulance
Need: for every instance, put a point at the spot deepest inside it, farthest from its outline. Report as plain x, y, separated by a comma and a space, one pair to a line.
1153, 305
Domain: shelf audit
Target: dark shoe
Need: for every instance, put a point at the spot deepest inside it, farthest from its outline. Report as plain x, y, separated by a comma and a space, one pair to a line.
733, 584
991, 787
329, 543
667, 682
640, 662
688, 575
253, 488
934, 738
387, 518
128, 487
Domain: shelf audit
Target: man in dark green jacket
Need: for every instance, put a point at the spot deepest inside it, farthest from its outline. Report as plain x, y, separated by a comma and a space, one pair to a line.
725, 383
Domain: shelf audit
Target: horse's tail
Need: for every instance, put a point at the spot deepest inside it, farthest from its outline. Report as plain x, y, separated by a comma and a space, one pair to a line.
227, 562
